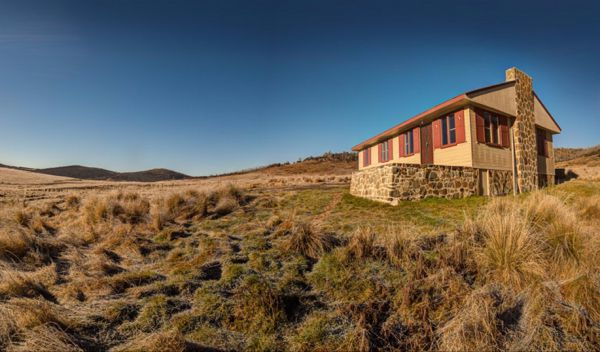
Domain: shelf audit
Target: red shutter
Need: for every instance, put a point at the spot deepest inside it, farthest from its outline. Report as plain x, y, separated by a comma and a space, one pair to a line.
390, 143
379, 152
417, 139
401, 138
504, 132
436, 126
480, 125
459, 122
364, 156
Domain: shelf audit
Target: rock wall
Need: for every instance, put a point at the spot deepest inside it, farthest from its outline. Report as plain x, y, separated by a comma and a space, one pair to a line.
393, 182
524, 131
501, 182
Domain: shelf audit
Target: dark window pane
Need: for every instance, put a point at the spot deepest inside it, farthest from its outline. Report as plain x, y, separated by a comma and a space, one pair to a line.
452, 136
451, 119
444, 131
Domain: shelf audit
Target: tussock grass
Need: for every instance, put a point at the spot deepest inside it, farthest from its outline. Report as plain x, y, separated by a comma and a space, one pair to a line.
512, 251
362, 244
477, 327
128, 208
259, 307
168, 341
14, 243
47, 338
308, 240
180, 268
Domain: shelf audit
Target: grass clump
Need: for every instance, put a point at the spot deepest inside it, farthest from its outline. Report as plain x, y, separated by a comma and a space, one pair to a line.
162, 341
320, 331
47, 338
121, 282
258, 305
308, 240
127, 208
512, 252
156, 313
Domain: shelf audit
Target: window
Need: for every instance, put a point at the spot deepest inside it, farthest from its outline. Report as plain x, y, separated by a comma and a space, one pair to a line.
409, 146
541, 142
491, 128
448, 130
384, 151
367, 157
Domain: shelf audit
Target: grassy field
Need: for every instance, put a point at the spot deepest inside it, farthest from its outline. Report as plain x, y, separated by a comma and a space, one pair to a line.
295, 263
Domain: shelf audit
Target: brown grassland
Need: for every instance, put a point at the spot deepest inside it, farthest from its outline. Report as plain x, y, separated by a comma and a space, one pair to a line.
293, 262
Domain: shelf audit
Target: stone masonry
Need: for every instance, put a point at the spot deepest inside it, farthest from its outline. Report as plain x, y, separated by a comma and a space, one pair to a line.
501, 182
393, 182
524, 131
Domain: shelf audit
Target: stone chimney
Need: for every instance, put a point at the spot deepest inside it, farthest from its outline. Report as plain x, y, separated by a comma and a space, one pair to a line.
524, 131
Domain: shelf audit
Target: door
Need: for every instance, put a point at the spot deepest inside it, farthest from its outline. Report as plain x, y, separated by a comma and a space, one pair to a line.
426, 145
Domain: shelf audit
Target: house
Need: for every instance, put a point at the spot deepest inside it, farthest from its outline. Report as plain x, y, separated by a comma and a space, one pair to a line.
494, 140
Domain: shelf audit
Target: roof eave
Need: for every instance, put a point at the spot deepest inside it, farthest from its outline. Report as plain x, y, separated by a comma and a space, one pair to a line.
413, 121
548, 111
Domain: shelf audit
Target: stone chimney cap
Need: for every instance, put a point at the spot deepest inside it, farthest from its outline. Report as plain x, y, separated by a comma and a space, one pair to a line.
513, 73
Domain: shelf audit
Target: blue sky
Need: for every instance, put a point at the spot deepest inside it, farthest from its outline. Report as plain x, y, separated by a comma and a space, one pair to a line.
216, 86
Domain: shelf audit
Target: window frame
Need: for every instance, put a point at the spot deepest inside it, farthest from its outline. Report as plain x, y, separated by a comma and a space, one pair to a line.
492, 130
409, 143
367, 157
447, 131
385, 152
540, 138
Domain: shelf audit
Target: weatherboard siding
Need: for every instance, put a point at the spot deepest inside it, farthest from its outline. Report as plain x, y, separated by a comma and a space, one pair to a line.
396, 158
499, 98
488, 157
459, 154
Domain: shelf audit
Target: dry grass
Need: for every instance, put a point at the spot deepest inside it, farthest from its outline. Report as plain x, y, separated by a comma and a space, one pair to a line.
169, 341
308, 240
264, 265
47, 338
511, 250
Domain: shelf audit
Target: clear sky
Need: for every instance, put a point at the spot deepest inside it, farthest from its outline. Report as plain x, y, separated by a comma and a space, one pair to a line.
204, 87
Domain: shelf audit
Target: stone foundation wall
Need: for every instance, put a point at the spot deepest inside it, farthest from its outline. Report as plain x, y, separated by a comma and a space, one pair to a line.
393, 182
501, 182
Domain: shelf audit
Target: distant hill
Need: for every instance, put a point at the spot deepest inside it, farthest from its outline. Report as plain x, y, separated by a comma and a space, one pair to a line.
343, 163
152, 175
16, 176
94, 173
582, 163
78, 171
577, 156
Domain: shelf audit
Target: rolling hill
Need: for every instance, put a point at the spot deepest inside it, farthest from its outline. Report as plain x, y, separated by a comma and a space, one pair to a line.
329, 163
93, 173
